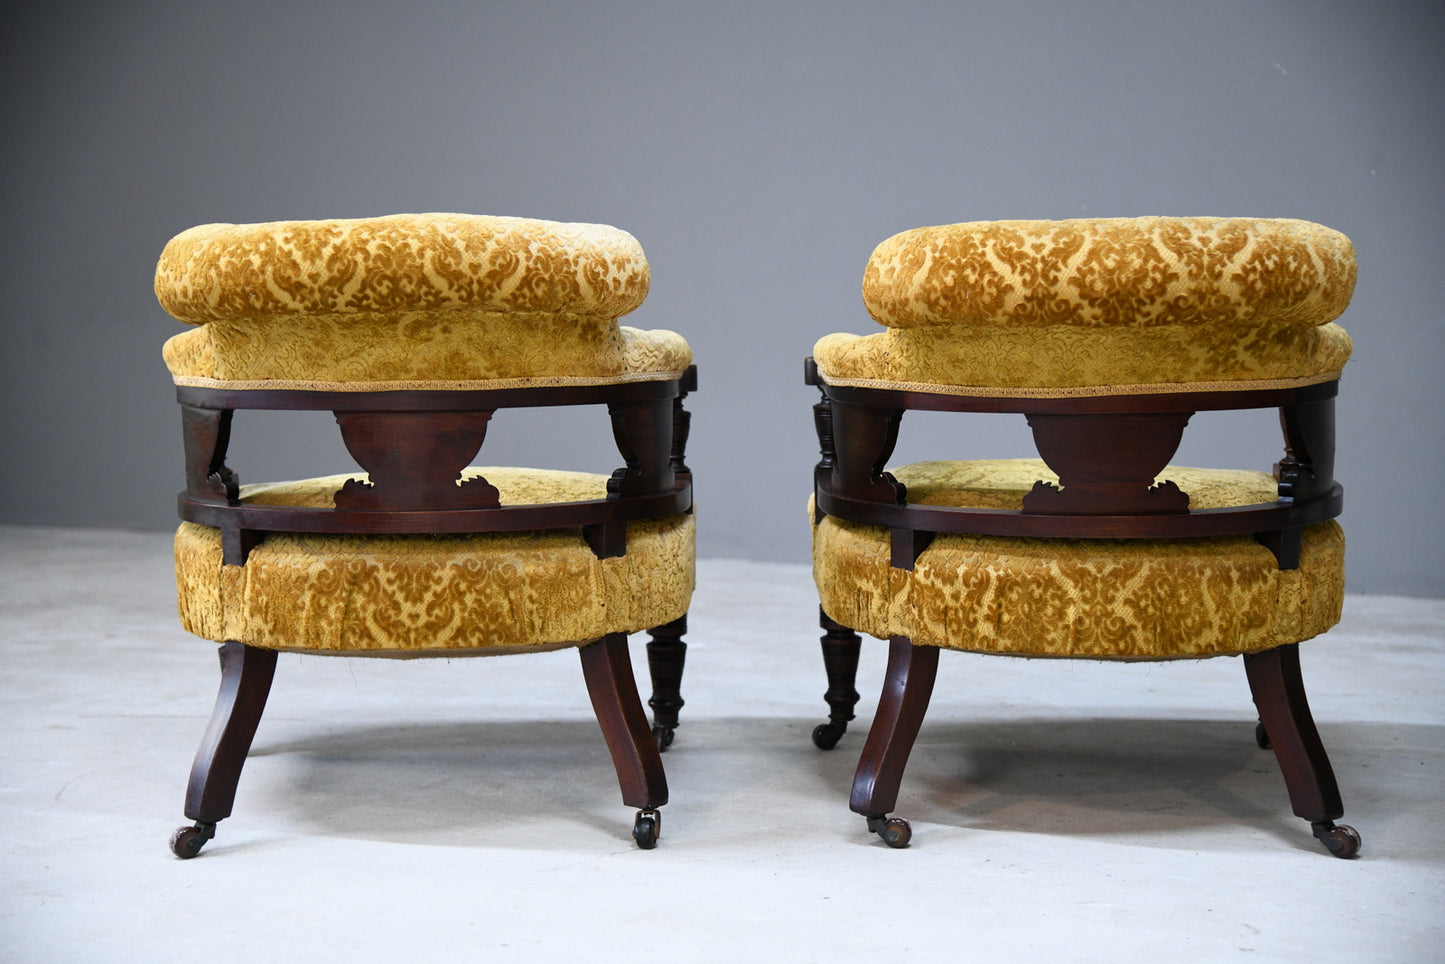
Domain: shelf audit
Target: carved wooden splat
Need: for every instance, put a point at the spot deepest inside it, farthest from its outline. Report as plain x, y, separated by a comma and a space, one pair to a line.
415, 460
1107, 463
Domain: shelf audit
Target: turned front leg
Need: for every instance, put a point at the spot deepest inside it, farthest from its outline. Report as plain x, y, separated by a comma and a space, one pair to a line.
666, 659
841, 649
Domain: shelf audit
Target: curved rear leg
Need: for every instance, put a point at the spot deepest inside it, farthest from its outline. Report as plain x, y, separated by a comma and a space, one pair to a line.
907, 687
1279, 695
608, 671
246, 674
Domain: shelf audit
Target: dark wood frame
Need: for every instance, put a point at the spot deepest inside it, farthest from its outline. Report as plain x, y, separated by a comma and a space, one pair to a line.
414, 446
1107, 452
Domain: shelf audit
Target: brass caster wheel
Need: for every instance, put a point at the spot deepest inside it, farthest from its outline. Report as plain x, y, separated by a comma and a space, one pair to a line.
1340, 840
1261, 737
647, 828
895, 831
826, 735
663, 735
186, 842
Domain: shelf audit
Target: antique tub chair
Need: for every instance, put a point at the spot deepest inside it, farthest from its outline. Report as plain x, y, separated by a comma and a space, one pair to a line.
1107, 335
414, 330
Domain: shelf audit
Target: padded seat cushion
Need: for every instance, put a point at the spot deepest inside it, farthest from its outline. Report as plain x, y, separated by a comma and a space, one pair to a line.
1093, 598
411, 301
1087, 307
420, 595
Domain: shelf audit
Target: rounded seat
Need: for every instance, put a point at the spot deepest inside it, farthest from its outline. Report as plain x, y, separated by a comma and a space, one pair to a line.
414, 595
1099, 307
1085, 598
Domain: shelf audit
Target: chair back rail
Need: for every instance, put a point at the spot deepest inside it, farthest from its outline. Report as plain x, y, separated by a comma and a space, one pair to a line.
1108, 452
415, 444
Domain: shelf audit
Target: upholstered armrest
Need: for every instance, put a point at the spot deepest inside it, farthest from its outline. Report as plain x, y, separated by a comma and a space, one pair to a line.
418, 352
1064, 361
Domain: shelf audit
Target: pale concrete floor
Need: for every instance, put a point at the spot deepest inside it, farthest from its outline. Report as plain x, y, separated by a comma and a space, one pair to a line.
466, 810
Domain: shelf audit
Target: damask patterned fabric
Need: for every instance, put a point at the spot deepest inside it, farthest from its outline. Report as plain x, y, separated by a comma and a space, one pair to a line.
417, 352
403, 262
1106, 272
1087, 307
1093, 598
418, 595
409, 302
1063, 361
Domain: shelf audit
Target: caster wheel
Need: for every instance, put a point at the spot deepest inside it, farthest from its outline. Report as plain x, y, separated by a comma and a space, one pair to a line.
663, 735
826, 735
895, 831
1261, 737
186, 842
647, 828
1342, 841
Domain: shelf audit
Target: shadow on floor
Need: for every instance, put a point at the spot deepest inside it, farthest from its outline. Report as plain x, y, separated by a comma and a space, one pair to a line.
496, 783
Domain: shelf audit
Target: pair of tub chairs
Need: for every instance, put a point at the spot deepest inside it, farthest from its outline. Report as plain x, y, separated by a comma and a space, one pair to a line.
1107, 335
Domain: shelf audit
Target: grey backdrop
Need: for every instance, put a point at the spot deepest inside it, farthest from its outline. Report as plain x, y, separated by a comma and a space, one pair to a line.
758, 151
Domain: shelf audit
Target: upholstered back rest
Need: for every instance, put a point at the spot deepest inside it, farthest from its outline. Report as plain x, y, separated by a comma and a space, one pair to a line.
1101, 306
1112, 272
411, 301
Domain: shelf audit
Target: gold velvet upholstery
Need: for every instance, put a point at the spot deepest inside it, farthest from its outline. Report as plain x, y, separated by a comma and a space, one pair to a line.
1093, 598
1112, 272
412, 301
421, 302
434, 595
415, 331
1063, 362
400, 262
1108, 336
1088, 307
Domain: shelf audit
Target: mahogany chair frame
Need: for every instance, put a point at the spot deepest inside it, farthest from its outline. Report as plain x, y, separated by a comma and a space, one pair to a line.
414, 446
1107, 452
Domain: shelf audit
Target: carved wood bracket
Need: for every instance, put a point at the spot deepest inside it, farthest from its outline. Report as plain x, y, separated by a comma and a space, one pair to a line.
681, 427
646, 438
1308, 467
207, 435
860, 444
